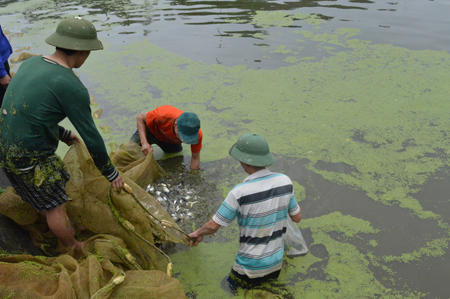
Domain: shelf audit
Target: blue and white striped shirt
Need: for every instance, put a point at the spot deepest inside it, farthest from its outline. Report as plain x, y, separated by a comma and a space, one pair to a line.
261, 204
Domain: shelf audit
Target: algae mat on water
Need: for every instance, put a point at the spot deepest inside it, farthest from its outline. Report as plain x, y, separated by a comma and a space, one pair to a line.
379, 109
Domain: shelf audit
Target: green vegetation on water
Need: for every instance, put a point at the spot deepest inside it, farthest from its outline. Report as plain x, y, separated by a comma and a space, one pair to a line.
380, 110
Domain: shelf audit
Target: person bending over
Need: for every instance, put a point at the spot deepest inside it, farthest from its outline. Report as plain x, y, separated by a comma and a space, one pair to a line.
168, 127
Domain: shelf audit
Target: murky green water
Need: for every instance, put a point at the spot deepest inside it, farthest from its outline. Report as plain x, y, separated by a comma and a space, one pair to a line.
353, 97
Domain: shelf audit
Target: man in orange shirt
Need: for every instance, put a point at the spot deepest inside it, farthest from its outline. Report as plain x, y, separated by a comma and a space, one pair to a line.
168, 127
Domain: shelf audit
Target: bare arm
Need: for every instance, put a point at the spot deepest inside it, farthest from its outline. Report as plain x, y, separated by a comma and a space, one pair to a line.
296, 218
195, 161
141, 125
208, 228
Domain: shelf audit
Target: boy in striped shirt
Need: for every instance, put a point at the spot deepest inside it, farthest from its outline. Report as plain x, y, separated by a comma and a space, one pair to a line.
262, 204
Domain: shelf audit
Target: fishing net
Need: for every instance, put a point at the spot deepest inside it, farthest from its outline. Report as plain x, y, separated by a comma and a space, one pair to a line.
139, 168
105, 272
121, 260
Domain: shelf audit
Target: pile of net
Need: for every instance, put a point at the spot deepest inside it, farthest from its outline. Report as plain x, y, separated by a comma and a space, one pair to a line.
120, 259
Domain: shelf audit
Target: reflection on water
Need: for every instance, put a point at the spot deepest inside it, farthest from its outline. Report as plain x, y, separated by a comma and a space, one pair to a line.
359, 125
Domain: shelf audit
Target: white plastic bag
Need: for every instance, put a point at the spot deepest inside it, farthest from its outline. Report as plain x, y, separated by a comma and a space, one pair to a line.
294, 244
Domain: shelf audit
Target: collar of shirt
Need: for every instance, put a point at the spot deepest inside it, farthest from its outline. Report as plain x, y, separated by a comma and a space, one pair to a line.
258, 174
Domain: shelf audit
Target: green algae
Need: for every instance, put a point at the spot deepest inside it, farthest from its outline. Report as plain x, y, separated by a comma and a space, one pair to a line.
434, 248
347, 225
201, 269
326, 103
373, 243
265, 19
299, 191
282, 50
378, 108
345, 270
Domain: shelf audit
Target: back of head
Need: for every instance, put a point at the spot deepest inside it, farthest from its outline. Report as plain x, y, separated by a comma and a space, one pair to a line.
252, 149
75, 34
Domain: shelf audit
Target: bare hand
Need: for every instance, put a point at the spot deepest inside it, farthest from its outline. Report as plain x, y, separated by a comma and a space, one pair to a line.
118, 183
72, 139
197, 238
146, 149
195, 161
5, 81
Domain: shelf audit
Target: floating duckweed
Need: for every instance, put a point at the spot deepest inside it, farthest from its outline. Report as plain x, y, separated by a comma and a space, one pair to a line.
345, 224
388, 101
373, 243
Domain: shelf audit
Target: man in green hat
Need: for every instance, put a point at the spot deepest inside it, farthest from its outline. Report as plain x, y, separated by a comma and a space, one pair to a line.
45, 91
262, 204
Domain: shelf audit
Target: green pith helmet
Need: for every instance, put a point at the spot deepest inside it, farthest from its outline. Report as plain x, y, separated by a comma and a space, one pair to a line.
252, 149
75, 34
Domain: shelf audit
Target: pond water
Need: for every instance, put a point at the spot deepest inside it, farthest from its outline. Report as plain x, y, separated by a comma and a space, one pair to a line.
352, 97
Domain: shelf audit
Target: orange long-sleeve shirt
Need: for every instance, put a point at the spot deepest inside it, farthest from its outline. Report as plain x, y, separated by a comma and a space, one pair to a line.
160, 122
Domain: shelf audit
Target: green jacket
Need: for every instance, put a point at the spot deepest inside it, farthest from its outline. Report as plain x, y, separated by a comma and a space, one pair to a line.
41, 95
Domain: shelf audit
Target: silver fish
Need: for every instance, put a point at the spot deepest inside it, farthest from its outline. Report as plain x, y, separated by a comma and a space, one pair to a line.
191, 203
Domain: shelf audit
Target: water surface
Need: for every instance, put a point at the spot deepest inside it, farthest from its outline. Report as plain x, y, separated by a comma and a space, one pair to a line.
351, 95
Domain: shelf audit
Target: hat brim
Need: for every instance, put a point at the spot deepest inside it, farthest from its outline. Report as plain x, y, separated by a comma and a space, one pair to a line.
252, 160
71, 43
188, 139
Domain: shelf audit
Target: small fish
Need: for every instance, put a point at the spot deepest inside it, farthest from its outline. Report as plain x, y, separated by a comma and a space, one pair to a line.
92, 101
158, 193
166, 190
21, 49
190, 214
22, 57
191, 203
98, 113
105, 128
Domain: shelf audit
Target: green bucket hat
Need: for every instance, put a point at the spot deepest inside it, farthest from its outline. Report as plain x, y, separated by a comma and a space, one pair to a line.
75, 34
252, 149
188, 126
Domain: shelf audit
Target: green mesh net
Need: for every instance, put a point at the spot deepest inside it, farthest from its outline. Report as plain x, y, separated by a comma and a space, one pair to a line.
120, 259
